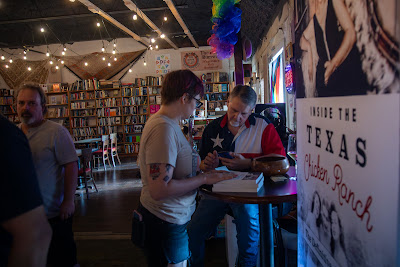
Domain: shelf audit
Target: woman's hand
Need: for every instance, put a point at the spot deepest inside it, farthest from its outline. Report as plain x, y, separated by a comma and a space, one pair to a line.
329, 69
210, 162
213, 177
237, 163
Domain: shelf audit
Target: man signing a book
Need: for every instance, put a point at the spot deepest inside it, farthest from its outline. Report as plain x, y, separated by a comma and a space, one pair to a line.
244, 135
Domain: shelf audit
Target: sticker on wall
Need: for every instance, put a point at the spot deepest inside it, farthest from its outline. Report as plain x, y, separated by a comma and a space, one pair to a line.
163, 65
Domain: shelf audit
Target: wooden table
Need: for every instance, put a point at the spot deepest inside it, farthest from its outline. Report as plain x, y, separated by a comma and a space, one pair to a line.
270, 193
79, 151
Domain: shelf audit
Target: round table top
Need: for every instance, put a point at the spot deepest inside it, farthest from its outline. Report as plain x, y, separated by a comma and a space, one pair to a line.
270, 193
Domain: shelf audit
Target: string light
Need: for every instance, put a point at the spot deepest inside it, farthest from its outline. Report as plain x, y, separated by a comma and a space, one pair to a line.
2, 57
144, 63
62, 62
151, 48
165, 18
104, 58
63, 53
113, 51
11, 61
51, 62
24, 52
130, 70
135, 17
72, 1
98, 24
115, 59
109, 64
57, 67
156, 46
162, 36
153, 40
29, 68
7, 66
103, 49
42, 29
115, 45
47, 54
24, 57
65, 49
86, 64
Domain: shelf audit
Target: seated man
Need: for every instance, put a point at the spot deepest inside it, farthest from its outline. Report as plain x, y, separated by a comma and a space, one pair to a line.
246, 135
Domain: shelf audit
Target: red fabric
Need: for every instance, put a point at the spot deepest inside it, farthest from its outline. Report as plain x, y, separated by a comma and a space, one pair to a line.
270, 142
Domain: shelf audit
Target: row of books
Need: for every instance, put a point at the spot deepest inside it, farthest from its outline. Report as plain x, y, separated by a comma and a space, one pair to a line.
154, 108
89, 131
135, 119
81, 113
7, 110
215, 77
57, 112
155, 99
134, 100
138, 91
6, 92
132, 138
135, 110
216, 97
58, 99
82, 122
81, 96
109, 121
107, 93
105, 112
7, 100
81, 105
132, 148
107, 129
55, 87
148, 81
137, 128
216, 87
103, 84
108, 102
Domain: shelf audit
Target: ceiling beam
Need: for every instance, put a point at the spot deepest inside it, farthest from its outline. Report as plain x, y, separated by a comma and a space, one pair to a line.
178, 17
96, 10
129, 4
82, 15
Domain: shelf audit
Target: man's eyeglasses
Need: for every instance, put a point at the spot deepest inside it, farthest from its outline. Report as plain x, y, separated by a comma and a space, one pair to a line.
198, 103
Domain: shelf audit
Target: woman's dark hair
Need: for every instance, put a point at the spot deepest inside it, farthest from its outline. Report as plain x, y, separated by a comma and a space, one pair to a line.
341, 236
319, 219
246, 94
38, 89
177, 83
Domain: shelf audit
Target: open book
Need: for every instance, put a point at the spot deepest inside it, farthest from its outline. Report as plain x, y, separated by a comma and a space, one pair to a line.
243, 182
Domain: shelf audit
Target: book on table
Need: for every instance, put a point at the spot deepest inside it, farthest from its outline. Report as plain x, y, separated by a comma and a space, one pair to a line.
243, 182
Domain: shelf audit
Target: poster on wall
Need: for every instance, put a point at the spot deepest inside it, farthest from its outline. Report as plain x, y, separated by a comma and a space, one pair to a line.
200, 60
163, 65
348, 106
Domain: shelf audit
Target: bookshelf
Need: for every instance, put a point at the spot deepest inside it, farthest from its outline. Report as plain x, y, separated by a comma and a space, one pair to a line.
215, 96
7, 107
58, 108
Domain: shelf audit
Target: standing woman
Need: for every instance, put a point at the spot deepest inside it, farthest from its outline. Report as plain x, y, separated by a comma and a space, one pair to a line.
338, 71
168, 167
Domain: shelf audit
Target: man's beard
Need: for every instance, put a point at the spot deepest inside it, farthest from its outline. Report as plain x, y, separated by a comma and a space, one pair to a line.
234, 123
27, 120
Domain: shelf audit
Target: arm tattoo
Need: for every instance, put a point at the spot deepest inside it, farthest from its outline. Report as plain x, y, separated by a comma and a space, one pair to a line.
154, 170
166, 179
168, 167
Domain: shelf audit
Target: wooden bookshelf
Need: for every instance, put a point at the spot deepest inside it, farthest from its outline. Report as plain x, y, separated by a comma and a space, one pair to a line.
7, 105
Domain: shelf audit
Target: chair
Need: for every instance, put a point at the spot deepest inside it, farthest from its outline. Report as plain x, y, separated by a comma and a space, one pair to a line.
103, 153
114, 148
85, 172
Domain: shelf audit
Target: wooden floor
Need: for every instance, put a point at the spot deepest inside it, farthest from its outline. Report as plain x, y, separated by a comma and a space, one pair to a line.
102, 222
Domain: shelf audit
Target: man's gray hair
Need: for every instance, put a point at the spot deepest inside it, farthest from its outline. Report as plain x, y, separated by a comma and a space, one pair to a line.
246, 94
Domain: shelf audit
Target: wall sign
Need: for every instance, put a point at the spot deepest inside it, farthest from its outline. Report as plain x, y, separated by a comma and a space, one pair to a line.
200, 60
163, 64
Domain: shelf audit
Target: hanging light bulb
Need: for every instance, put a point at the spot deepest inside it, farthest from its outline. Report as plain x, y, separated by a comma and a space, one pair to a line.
86, 64
24, 52
113, 51
144, 63
156, 46
130, 70
62, 61
165, 18
151, 48
65, 49
98, 24
153, 40
109, 64
29, 68
72, 1
115, 59
47, 54
103, 49
135, 17
104, 58
162, 36
11, 61
7, 66
63, 53
51, 62
115, 45
2, 57
24, 57
57, 67
42, 29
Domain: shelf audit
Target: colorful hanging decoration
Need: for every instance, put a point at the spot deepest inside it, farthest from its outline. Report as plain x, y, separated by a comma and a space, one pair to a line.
227, 20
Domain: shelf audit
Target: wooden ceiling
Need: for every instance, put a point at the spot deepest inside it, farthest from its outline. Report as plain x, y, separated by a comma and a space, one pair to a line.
67, 22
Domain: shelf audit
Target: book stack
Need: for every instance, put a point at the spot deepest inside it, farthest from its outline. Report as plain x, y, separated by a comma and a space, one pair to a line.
243, 182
